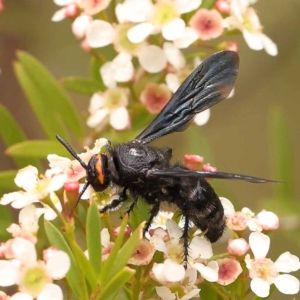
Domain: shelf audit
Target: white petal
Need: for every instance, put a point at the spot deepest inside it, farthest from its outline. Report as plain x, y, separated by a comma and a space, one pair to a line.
254, 225
287, 284
100, 34
190, 277
164, 293
26, 178
123, 69
269, 45
97, 118
139, 32
59, 15
253, 40
107, 72
202, 118
185, 6
96, 102
190, 295
227, 206
57, 182
24, 250
209, 272
119, 119
9, 273
287, 263
50, 292
63, 2
172, 81
174, 55
58, 265
174, 231
158, 243
200, 248
152, 58
260, 287
188, 36
173, 271
49, 213
173, 30
105, 237
11, 197
80, 26
21, 296
136, 11
260, 244
28, 218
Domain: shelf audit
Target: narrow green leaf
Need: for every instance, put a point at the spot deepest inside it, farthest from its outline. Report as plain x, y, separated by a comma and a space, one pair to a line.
126, 251
86, 266
7, 180
5, 221
109, 263
12, 133
80, 85
139, 214
35, 148
113, 287
282, 156
95, 66
56, 239
51, 104
93, 237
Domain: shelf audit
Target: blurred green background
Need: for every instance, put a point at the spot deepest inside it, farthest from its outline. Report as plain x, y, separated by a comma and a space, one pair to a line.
256, 132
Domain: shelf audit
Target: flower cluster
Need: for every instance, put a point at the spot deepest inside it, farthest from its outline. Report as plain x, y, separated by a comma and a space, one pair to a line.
147, 37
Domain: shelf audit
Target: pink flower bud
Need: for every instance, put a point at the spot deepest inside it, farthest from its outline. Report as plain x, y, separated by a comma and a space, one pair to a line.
238, 247
209, 168
71, 10
127, 231
1, 5
268, 220
193, 162
84, 45
223, 6
229, 270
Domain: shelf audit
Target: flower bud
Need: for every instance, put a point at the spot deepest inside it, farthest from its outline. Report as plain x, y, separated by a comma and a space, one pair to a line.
193, 162
238, 247
268, 220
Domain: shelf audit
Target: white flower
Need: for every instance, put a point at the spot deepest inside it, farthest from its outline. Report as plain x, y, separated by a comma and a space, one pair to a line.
265, 272
109, 106
35, 188
33, 277
186, 285
163, 16
245, 19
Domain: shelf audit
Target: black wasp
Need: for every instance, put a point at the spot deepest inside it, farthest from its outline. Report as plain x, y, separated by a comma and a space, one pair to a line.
146, 172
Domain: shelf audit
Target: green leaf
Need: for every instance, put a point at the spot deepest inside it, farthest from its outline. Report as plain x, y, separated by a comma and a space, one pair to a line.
95, 66
50, 103
80, 85
282, 156
5, 221
139, 214
109, 263
126, 251
7, 180
113, 287
35, 148
12, 133
86, 266
56, 239
93, 237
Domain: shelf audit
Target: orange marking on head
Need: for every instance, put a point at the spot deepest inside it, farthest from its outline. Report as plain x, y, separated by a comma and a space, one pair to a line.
99, 169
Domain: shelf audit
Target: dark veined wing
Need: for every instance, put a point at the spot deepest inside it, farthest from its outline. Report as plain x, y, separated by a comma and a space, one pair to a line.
207, 85
180, 172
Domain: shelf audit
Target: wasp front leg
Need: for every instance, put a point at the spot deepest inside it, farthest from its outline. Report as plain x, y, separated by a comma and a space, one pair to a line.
115, 204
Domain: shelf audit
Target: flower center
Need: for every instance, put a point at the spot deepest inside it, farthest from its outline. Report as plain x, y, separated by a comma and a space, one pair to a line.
263, 268
34, 280
175, 252
115, 98
164, 13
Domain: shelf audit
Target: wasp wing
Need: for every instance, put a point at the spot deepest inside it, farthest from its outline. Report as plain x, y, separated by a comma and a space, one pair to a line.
180, 172
209, 83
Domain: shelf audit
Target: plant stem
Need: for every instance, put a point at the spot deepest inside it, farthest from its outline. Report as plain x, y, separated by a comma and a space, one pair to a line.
217, 290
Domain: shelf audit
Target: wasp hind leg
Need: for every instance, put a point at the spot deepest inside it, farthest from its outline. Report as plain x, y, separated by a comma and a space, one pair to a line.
185, 239
153, 213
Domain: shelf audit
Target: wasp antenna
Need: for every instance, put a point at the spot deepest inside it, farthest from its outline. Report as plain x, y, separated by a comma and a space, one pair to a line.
71, 151
86, 185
